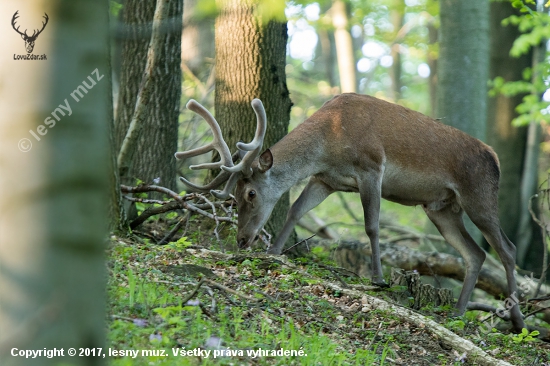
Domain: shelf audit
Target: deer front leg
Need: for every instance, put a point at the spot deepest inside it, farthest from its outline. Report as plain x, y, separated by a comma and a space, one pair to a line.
370, 190
313, 194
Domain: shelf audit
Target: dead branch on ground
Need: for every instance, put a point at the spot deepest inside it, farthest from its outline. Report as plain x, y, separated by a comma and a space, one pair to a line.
190, 202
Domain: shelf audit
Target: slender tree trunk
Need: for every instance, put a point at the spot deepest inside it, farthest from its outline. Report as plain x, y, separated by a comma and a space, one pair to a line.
197, 39
344, 47
507, 140
397, 16
463, 69
530, 241
117, 214
157, 142
250, 63
433, 34
326, 51
53, 217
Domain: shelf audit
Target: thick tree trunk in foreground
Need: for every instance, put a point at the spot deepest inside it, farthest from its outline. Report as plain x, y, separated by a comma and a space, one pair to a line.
53, 216
250, 63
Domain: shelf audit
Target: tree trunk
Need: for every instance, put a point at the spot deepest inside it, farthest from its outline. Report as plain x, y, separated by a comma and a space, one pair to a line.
433, 34
326, 51
197, 41
344, 47
463, 69
464, 65
250, 63
117, 214
507, 140
53, 217
530, 243
157, 142
397, 16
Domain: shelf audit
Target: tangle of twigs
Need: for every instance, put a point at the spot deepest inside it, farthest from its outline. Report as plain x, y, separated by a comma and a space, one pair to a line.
190, 203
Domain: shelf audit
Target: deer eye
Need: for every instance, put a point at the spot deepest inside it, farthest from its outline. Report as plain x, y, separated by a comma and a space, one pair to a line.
252, 194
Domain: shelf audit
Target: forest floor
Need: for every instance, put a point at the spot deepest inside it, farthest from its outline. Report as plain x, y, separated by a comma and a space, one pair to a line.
183, 304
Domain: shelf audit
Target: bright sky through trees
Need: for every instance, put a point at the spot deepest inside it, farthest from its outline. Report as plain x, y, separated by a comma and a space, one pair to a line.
303, 40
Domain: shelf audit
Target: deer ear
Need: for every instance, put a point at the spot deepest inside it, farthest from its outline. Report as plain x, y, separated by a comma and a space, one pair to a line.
265, 161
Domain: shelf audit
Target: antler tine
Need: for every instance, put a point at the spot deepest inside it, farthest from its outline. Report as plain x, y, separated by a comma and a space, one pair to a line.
254, 147
216, 182
258, 140
231, 183
218, 143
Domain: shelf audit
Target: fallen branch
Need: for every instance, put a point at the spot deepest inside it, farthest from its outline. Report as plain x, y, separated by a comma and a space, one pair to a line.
229, 290
298, 243
174, 230
194, 292
178, 202
445, 336
152, 211
491, 280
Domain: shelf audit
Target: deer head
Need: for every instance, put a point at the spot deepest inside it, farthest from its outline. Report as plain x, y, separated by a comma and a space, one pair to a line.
29, 40
249, 201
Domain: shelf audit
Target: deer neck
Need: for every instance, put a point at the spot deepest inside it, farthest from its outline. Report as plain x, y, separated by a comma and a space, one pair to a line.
294, 159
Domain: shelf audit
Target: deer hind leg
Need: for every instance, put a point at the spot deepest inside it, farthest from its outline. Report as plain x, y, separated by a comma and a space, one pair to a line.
448, 221
370, 190
313, 194
487, 221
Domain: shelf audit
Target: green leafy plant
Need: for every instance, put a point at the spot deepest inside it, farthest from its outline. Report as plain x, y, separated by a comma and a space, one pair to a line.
181, 244
456, 325
535, 27
525, 336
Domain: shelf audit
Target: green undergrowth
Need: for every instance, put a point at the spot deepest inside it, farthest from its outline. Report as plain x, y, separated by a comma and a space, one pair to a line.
180, 304
149, 284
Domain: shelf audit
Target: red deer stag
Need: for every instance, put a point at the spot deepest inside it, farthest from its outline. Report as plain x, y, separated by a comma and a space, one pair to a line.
357, 143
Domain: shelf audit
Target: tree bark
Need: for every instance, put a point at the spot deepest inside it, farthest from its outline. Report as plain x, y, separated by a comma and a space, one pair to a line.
463, 70
53, 217
397, 16
433, 34
157, 142
250, 63
508, 141
117, 215
530, 243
